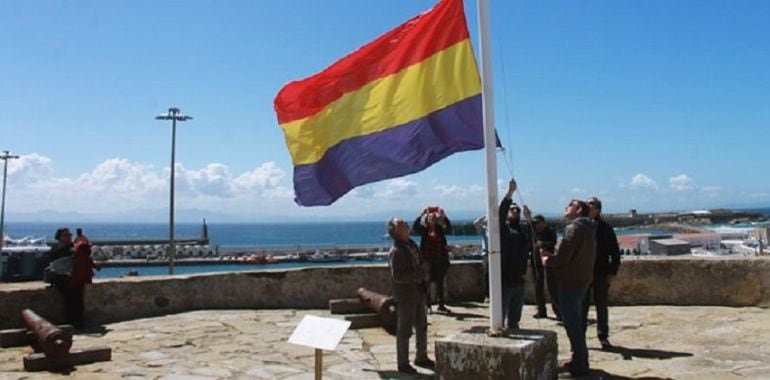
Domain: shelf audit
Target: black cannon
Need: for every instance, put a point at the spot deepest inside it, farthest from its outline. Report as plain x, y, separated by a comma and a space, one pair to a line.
53, 341
383, 306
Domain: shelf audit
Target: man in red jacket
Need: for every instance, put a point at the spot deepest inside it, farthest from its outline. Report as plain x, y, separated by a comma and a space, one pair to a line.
82, 273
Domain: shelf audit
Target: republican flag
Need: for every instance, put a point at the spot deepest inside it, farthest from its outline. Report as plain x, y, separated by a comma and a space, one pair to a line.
393, 107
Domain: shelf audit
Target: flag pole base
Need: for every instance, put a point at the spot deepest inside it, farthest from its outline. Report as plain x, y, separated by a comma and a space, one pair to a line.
497, 332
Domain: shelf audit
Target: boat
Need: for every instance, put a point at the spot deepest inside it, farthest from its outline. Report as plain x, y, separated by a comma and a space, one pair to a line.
371, 256
22, 259
27, 241
326, 257
259, 258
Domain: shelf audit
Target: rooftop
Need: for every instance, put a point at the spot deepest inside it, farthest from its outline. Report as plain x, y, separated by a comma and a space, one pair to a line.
670, 242
651, 342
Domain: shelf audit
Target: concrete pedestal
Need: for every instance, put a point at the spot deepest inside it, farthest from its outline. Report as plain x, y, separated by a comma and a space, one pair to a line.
525, 354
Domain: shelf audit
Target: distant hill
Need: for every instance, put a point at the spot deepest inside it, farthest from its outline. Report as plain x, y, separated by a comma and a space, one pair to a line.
760, 210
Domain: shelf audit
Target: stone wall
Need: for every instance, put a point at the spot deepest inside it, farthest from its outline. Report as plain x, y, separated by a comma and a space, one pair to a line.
687, 280
644, 281
703, 281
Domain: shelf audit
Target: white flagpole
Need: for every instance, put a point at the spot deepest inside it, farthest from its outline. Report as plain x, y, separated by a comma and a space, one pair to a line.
490, 143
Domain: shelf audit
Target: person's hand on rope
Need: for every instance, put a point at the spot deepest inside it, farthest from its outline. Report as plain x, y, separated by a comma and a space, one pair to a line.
482, 220
511, 188
527, 214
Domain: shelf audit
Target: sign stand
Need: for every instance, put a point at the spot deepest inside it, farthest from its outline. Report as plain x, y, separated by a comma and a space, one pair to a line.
319, 363
321, 334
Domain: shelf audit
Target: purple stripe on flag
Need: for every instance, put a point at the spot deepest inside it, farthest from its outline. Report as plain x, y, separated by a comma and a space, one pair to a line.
399, 151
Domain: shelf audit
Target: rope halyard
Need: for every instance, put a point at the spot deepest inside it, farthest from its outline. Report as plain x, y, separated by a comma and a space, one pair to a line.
508, 159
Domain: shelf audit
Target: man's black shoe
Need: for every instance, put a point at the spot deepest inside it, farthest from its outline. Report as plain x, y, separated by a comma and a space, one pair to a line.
407, 369
443, 308
425, 363
579, 373
540, 316
569, 366
606, 345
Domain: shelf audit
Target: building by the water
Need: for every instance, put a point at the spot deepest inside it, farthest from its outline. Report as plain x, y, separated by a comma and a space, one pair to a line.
24, 259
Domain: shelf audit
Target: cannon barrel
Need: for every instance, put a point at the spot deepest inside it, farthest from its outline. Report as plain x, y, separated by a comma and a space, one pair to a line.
384, 306
54, 341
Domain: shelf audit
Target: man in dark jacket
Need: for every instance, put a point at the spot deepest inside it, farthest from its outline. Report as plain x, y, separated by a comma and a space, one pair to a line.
408, 277
573, 263
605, 268
59, 260
545, 238
59, 271
514, 251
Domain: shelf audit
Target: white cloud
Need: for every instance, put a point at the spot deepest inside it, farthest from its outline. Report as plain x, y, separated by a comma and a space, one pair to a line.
118, 184
211, 180
266, 180
29, 168
710, 191
681, 183
642, 181
119, 175
577, 190
763, 195
454, 191
114, 184
364, 192
398, 188
113, 176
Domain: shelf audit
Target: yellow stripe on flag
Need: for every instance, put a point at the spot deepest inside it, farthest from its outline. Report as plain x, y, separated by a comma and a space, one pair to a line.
407, 95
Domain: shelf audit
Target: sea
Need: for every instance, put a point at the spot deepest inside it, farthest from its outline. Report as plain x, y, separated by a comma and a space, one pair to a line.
234, 236
229, 237
248, 236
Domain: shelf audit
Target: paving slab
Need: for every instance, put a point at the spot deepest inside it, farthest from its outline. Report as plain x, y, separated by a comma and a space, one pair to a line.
650, 342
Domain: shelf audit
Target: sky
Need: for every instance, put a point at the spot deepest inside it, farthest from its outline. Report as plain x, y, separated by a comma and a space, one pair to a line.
649, 105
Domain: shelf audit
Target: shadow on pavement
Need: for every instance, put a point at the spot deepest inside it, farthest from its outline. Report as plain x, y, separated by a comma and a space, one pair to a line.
468, 305
598, 374
399, 375
463, 316
629, 353
92, 330
68, 370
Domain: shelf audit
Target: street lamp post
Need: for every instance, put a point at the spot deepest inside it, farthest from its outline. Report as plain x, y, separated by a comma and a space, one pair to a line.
173, 115
5, 157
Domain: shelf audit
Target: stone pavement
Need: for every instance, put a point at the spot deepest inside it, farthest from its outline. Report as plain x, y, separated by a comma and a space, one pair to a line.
651, 342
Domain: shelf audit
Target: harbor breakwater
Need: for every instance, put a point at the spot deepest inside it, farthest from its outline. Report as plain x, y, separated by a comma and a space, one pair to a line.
681, 281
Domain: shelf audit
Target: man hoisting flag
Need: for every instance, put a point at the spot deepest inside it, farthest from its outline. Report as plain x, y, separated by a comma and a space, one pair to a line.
393, 107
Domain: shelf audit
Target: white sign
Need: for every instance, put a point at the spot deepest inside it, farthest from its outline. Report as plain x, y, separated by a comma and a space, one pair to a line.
317, 332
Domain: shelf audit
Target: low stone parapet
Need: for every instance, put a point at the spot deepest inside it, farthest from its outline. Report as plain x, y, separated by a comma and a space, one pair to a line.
642, 281
113, 300
685, 281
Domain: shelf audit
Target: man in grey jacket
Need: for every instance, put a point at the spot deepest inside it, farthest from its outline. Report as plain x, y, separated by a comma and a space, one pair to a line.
408, 275
573, 264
